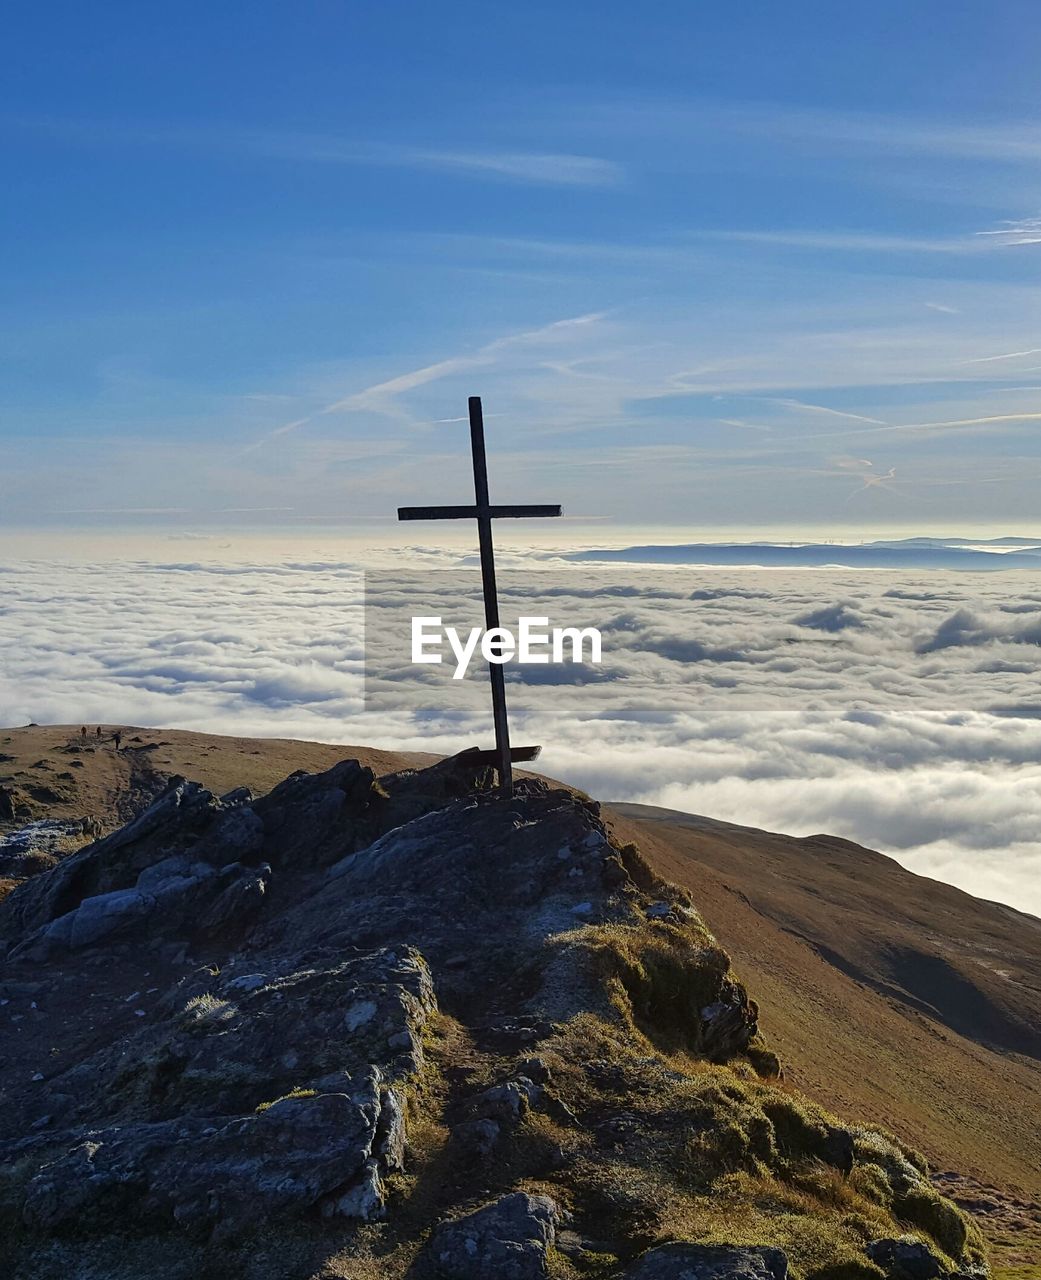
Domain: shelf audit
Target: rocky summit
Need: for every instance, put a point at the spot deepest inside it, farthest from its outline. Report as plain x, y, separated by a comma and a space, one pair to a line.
402, 1027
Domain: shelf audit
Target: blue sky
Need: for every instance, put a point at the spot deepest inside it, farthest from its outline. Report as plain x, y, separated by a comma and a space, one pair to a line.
757, 264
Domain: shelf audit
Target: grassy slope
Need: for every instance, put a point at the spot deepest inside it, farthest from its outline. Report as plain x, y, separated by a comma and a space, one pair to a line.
38, 757
846, 951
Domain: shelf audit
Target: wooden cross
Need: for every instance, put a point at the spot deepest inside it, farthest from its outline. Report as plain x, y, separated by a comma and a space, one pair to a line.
484, 513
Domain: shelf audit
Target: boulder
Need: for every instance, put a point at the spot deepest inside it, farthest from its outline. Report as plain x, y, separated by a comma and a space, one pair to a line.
186, 824
709, 1262
508, 1239
312, 819
176, 896
905, 1259
505, 1103
223, 1174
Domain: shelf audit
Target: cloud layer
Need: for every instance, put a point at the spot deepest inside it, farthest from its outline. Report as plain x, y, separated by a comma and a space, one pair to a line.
899, 710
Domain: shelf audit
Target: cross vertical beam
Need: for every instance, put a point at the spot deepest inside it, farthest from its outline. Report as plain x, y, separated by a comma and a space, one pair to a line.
484, 513
491, 597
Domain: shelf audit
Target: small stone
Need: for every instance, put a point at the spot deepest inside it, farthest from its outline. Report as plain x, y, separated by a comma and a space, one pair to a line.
247, 982
536, 1069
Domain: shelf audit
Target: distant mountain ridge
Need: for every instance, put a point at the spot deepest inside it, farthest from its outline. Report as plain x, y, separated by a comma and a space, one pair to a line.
906, 553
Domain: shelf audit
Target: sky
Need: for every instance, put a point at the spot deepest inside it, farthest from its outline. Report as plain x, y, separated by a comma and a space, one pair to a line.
717, 271
760, 265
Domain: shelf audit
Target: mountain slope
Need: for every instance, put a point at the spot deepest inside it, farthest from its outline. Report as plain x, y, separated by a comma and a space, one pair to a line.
52, 771
883, 992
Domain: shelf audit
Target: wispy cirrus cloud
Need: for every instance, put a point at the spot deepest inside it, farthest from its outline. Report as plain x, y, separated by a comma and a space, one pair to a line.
849, 241
1005, 355
382, 398
786, 125
1015, 232
540, 168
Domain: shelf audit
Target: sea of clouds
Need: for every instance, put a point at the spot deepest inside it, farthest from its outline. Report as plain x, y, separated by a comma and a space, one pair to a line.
899, 709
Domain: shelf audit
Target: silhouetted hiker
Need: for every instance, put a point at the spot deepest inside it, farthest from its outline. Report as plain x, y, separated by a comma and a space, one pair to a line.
117, 738
98, 733
83, 730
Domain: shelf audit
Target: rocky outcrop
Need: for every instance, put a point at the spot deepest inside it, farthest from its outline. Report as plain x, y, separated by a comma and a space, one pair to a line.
905, 1259
175, 897
187, 835
408, 1004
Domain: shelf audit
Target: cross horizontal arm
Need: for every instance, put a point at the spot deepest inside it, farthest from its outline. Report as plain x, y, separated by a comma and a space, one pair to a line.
477, 513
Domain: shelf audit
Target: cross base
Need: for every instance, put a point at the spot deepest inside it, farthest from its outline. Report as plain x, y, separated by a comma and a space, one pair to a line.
518, 755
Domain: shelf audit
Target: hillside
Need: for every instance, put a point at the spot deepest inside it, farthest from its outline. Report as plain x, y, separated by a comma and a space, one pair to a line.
53, 772
920, 1019
885, 994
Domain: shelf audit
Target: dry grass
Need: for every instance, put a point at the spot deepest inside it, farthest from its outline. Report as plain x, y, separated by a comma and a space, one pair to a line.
812, 926
676, 1148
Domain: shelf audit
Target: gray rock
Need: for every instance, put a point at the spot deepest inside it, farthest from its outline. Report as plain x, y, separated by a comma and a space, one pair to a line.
221, 1174
507, 1103
173, 895
246, 982
729, 1024
709, 1262
363, 1199
475, 1138
184, 833
236, 899
506, 1240
311, 820
905, 1259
